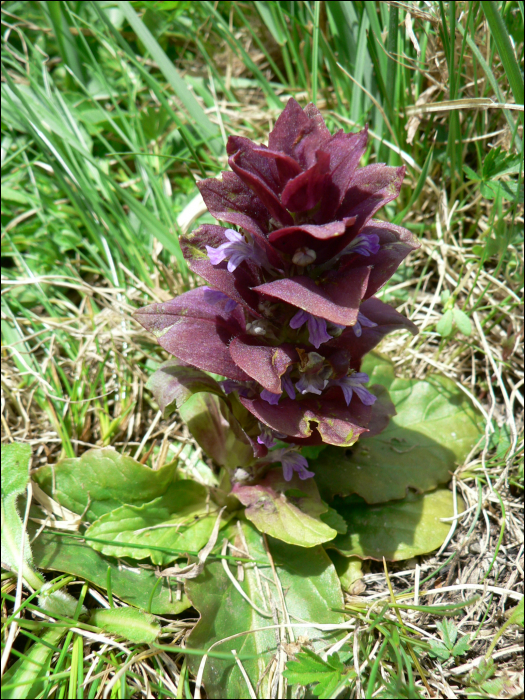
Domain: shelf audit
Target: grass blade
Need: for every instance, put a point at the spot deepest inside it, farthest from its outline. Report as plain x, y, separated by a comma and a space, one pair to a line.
391, 68
172, 76
501, 37
492, 80
315, 51
26, 675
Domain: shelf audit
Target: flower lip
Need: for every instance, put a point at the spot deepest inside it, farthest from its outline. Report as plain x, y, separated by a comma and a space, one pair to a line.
362, 320
266, 437
269, 397
287, 384
318, 333
366, 244
312, 383
236, 250
291, 462
354, 383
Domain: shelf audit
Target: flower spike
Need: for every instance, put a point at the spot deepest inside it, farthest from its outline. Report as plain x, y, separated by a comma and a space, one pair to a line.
306, 254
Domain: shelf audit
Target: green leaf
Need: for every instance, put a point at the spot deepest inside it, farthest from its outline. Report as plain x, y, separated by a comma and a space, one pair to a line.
293, 519
23, 674
396, 689
102, 480
133, 624
438, 650
156, 229
334, 520
449, 632
217, 431
494, 688
505, 189
173, 383
58, 602
309, 668
462, 646
129, 583
15, 477
462, 322
181, 519
483, 672
471, 174
312, 451
349, 569
271, 20
445, 296
445, 324
311, 589
396, 530
500, 162
435, 426
516, 615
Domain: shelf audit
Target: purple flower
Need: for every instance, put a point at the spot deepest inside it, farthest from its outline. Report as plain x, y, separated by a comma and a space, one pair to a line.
287, 384
362, 320
311, 383
315, 374
291, 462
272, 399
316, 327
237, 250
213, 296
266, 437
364, 244
294, 462
353, 383
242, 388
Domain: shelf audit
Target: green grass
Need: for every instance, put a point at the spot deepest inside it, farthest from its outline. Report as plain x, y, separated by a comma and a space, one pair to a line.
112, 111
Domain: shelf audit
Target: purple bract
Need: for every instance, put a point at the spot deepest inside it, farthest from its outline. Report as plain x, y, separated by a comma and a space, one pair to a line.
289, 308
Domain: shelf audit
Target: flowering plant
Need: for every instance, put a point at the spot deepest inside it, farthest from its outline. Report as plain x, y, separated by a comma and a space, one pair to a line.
287, 319
289, 310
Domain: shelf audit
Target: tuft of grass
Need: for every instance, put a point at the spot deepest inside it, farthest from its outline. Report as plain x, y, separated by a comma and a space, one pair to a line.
111, 112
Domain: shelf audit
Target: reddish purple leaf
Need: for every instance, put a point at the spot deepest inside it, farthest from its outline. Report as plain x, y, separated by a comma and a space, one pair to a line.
338, 303
287, 168
259, 174
264, 363
345, 150
336, 423
230, 200
304, 191
299, 133
292, 237
196, 332
387, 320
370, 189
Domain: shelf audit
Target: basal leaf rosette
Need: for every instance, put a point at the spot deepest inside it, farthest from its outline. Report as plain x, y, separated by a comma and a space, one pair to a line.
288, 310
